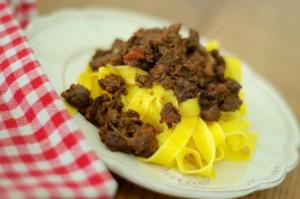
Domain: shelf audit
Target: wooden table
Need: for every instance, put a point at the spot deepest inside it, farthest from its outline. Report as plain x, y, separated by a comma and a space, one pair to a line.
266, 34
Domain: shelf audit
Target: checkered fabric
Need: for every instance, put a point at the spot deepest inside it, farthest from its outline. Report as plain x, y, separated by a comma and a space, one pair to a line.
42, 152
22, 10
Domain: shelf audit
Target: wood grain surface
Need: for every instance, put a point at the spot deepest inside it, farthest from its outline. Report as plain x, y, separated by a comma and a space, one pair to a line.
266, 34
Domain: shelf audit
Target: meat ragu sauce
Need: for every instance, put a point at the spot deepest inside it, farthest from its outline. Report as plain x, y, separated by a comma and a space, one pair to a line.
179, 64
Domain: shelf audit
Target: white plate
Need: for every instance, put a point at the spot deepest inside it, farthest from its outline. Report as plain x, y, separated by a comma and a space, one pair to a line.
64, 42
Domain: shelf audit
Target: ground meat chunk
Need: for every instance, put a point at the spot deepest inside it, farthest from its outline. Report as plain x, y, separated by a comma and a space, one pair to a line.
100, 58
230, 103
98, 104
125, 132
143, 81
144, 142
170, 115
78, 96
192, 42
232, 85
219, 64
216, 91
217, 97
211, 113
109, 57
129, 123
137, 57
113, 84
133, 115
115, 141
184, 89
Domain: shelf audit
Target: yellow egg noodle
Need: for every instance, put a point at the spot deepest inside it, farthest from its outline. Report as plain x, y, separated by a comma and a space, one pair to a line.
193, 146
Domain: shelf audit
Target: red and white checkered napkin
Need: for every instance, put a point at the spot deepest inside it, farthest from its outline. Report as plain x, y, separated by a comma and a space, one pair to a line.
42, 152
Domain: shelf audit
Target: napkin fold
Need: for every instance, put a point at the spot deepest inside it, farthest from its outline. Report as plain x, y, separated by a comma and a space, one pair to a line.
43, 154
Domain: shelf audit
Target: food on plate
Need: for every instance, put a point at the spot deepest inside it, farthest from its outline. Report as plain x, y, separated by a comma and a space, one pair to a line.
167, 99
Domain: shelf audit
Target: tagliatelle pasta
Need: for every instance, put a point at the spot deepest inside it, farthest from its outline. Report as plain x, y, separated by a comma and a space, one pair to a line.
193, 146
